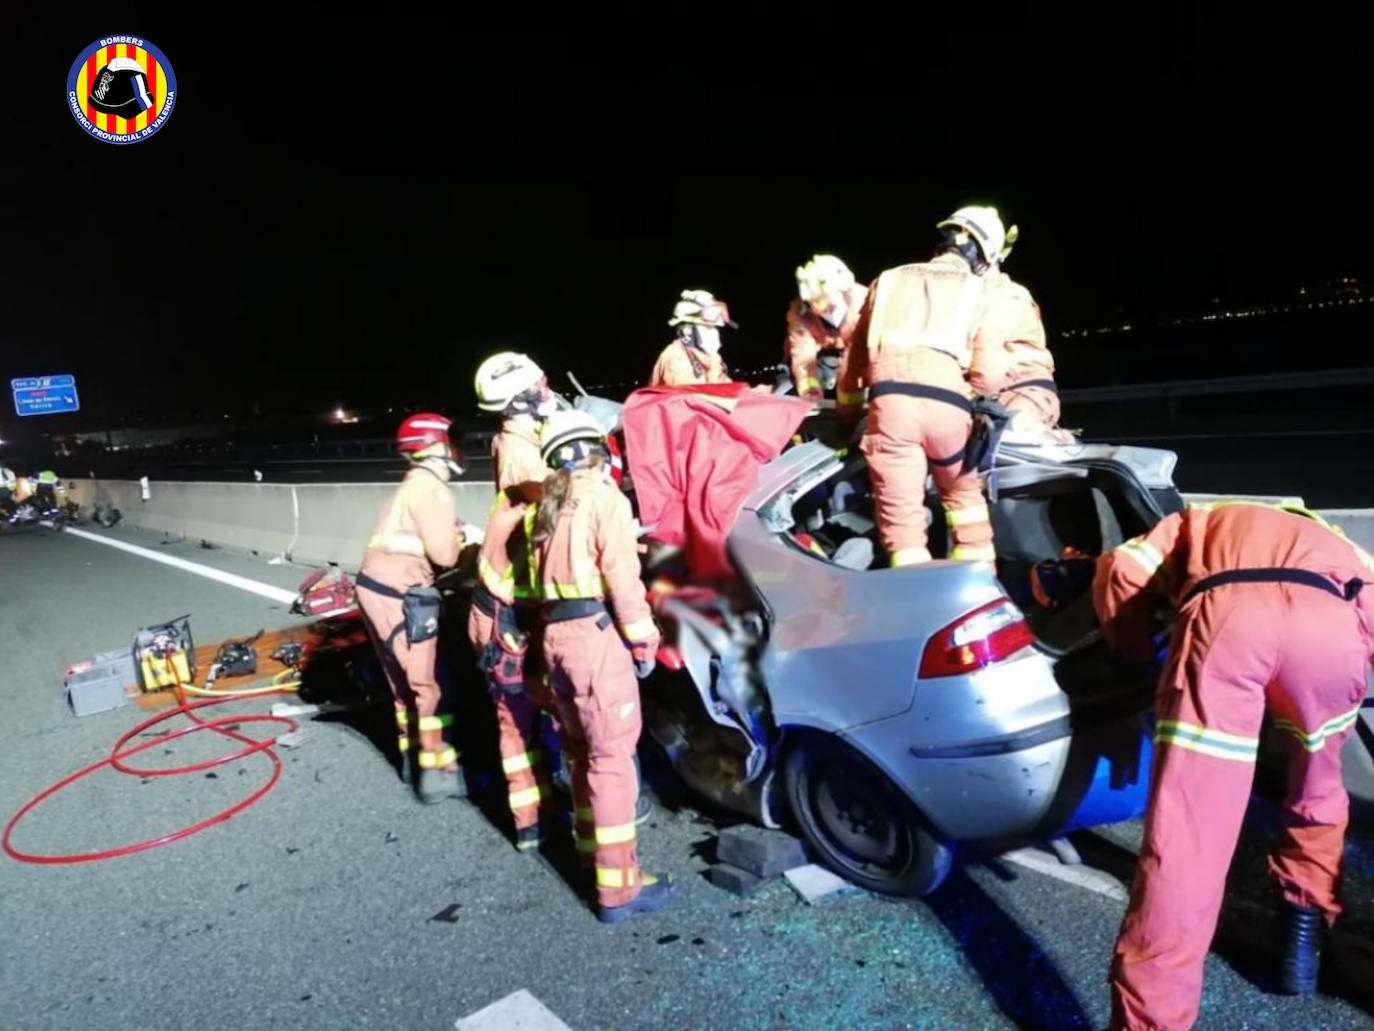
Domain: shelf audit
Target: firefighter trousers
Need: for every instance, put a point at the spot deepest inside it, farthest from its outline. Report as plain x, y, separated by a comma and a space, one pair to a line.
592, 678
1242, 650
907, 437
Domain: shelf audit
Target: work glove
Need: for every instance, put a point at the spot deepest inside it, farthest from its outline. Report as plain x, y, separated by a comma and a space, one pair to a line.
644, 654
470, 534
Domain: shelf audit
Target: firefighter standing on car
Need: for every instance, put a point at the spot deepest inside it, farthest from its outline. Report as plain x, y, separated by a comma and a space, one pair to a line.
924, 346
598, 635
417, 532
1276, 618
823, 317
515, 387
694, 357
1030, 393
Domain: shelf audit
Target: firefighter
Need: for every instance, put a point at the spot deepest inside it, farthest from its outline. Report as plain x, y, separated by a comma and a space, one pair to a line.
1030, 393
694, 357
822, 318
1271, 621
922, 351
598, 636
8, 485
515, 387
45, 491
416, 533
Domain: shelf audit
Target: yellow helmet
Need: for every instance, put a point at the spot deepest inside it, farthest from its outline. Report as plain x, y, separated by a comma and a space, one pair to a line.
502, 378
700, 308
984, 224
824, 275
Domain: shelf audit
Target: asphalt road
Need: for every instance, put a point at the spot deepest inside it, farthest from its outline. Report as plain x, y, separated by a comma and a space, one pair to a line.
338, 901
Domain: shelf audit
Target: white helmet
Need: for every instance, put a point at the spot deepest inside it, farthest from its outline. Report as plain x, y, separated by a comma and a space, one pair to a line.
502, 378
568, 436
984, 225
823, 276
701, 308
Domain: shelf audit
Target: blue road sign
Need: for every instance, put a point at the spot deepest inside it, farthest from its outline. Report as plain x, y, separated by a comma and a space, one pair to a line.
45, 395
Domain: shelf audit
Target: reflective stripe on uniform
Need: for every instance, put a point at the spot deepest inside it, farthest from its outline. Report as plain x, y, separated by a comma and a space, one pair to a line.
495, 582
808, 383
436, 722
615, 835
974, 553
1315, 741
516, 763
1144, 554
585, 844
614, 877
429, 760
909, 557
849, 397
402, 718
966, 516
1215, 743
639, 630
526, 797
403, 742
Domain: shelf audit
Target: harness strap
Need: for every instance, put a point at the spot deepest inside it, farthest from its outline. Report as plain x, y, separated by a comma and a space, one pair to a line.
1043, 384
949, 397
1276, 575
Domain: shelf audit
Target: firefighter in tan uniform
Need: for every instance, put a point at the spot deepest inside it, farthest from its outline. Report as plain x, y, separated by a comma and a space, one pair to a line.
923, 350
418, 532
822, 318
694, 357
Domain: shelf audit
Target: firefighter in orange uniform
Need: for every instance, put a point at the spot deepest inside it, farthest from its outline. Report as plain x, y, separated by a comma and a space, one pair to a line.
922, 351
1274, 616
417, 532
598, 636
515, 387
1030, 393
821, 319
694, 357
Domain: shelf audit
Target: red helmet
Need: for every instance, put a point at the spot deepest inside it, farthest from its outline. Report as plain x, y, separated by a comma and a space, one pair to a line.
421, 431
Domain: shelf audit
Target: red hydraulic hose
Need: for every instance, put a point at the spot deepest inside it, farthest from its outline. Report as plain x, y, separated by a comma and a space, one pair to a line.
116, 760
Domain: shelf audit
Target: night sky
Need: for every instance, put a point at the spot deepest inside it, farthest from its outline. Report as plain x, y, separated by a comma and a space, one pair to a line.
423, 193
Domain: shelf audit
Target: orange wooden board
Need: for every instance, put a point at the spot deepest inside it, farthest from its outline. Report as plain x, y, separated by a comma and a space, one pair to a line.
339, 631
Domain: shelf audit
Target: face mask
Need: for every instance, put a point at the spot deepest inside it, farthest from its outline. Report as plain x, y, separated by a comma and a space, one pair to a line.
708, 339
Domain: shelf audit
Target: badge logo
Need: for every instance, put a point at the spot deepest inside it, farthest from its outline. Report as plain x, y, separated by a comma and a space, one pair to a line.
121, 89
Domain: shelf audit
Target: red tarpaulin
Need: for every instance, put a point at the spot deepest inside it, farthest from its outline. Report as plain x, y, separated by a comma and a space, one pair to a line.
694, 455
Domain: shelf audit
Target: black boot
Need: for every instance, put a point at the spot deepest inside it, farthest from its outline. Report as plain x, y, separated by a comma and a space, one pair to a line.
1303, 929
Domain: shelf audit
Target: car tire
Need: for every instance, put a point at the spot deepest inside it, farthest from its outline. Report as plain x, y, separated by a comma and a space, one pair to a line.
860, 824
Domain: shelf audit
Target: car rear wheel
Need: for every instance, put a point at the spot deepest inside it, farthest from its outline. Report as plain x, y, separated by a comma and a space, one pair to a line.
859, 823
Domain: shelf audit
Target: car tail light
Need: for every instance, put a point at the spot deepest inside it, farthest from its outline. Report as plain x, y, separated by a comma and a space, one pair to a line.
986, 635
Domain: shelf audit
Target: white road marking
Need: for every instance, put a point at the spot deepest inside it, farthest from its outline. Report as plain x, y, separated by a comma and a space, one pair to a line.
241, 582
519, 1011
1079, 876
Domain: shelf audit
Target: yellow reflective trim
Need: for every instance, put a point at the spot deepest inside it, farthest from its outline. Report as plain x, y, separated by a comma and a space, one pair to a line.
429, 760
522, 799
974, 553
615, 835
614, 877
1144, 554
585, 844
402, 717
808, 383
849, 397
516, 763
909, 557
640, 630
489, 575
403, 743
1315, 741
1215, 743
584, 812
966, 516
574, 591
436, 722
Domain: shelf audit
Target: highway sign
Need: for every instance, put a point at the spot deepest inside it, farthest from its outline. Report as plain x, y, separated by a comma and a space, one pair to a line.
45, 395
